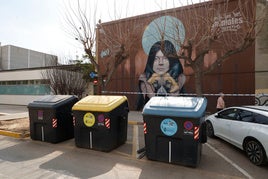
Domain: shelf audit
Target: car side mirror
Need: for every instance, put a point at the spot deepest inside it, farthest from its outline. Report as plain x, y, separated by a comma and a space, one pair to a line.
217, 115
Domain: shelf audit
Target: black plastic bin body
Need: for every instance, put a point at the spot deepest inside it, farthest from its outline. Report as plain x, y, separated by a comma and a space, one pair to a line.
101, 122
51, 118
174, 129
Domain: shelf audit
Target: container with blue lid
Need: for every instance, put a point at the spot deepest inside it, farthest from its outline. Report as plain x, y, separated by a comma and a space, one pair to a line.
193, 107
174, 129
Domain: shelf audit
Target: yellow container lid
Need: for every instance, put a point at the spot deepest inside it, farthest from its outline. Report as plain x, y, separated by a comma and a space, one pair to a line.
99, 103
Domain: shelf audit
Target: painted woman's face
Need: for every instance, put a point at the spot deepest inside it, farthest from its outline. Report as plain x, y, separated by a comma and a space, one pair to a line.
161, 63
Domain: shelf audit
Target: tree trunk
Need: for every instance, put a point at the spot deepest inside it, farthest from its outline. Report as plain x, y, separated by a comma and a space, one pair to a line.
198, 81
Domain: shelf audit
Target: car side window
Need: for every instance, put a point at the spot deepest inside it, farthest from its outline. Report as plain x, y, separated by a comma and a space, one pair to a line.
228, 114
261, 119
246, 116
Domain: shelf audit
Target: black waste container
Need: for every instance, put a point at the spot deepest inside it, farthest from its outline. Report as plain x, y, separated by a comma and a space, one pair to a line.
51, 118
101, 122
174, 129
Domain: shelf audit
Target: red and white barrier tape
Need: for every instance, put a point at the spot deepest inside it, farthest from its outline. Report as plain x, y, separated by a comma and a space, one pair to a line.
182, 94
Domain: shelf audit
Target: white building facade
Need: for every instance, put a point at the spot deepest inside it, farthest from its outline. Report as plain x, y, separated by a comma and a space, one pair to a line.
21, 79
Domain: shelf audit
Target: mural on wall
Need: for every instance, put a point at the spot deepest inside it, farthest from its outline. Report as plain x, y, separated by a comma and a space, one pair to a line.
196, 68
163, 73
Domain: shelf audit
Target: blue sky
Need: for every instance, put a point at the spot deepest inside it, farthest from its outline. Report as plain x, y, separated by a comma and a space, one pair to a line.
39, 24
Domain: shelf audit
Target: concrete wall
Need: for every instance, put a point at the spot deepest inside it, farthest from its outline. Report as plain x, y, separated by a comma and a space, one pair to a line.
18, 58
21, 75
13, 57
5, 57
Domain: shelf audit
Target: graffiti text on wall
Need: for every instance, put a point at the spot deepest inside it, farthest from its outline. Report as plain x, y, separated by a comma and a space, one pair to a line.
261, 99
228, 22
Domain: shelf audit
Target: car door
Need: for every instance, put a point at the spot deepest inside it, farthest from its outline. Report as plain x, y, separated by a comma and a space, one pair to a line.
224, 121
240, 126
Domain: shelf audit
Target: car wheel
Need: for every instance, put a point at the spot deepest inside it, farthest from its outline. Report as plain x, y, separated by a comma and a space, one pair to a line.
210, 130
255, 152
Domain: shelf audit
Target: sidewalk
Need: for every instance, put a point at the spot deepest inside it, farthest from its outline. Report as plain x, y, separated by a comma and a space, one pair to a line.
134, 117
8, 112
6, 116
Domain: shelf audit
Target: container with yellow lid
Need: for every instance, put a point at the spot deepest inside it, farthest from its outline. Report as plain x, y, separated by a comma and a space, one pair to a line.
100, 122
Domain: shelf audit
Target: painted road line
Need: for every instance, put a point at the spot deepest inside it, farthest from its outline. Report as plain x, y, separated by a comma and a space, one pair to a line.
135, 137
6, 143
231, 162
135, 141
135, 122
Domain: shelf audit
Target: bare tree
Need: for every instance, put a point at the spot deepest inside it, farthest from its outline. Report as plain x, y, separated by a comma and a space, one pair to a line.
118, 41
220, 26
65, 82
81, 25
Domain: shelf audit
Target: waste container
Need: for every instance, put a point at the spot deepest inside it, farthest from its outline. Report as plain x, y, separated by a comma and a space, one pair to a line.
101, 122
174, 129
51, 118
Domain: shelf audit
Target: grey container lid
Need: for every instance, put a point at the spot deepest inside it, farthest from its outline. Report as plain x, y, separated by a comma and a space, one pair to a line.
192, 107
52, 101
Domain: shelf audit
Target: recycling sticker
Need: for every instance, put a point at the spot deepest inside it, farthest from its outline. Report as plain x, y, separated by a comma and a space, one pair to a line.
89, 119
169, 127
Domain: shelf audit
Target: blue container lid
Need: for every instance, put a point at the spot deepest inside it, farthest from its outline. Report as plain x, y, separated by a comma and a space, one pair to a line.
193, 107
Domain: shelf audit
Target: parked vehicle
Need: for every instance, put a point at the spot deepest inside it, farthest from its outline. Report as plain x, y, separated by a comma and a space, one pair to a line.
244, 127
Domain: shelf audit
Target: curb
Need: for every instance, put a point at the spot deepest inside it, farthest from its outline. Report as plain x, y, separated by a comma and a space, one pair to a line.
14, 134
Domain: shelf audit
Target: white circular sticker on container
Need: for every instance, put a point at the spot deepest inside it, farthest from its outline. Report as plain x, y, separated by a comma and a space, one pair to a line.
169, 127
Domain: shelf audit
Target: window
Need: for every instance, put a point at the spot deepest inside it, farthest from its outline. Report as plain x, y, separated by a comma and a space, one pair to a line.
24, 87
246, 116
229, 114
261, 119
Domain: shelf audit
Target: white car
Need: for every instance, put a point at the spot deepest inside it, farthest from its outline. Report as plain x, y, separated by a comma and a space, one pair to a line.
244, 127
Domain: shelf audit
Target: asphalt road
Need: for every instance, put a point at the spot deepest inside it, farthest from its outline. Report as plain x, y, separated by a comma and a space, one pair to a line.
35, 159
26, 158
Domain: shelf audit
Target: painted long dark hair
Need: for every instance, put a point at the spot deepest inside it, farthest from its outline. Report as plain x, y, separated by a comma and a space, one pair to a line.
175, 67
168, 49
